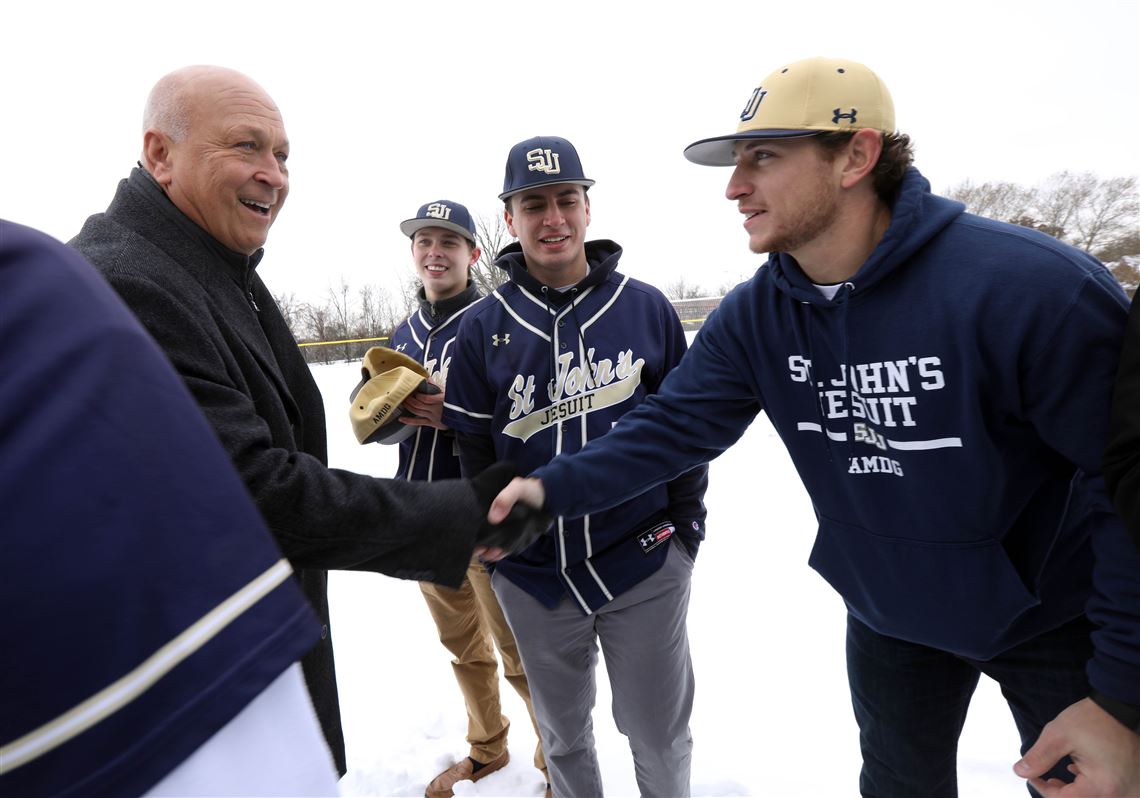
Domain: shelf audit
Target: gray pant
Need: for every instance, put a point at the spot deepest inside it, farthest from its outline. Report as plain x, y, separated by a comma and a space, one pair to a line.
644, 639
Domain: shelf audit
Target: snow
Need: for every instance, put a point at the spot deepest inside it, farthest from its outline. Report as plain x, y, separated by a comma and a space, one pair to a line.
772, 714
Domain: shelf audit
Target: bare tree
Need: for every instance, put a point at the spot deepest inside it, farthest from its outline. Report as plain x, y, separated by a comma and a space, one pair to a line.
999, 200
290, 308
1094, 214
341, 318
377, 318
317, 327
491, 237
407, 297
1059, 200
1108, 213
679, 289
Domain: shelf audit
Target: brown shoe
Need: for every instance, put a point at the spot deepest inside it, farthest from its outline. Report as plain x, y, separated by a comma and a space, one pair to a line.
466, 769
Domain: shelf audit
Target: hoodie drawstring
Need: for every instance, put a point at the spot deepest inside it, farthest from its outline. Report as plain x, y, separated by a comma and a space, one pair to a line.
844, 363
802, 334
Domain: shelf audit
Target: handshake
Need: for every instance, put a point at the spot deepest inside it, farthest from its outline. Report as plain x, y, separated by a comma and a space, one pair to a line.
522, 525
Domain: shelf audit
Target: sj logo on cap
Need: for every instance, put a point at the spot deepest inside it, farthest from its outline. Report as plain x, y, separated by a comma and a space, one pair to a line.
437, 210
753, 104
543, 161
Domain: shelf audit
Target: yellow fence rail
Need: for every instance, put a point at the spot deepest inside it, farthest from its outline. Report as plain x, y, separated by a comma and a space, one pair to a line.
685, 321
345, 341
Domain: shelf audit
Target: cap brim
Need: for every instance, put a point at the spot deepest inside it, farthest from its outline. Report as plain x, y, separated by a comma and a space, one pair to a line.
552, 182
718, 151
393, 431
410, 226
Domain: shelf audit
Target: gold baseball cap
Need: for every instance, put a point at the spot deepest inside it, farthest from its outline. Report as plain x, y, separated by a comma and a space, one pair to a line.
387, 378
805, 98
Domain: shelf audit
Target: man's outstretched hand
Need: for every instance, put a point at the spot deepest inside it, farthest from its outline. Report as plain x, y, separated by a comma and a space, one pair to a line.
515, 527
1106, 754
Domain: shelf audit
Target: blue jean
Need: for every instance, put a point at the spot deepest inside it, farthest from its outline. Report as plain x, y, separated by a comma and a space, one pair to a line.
910, 702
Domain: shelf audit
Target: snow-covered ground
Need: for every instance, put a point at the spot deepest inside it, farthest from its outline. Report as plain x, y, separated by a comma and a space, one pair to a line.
772, 714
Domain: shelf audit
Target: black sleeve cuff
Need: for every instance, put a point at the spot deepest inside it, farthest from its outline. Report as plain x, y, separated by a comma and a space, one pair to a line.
1128, 714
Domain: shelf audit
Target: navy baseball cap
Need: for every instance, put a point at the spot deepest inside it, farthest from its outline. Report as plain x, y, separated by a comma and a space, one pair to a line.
441, 213
542, 161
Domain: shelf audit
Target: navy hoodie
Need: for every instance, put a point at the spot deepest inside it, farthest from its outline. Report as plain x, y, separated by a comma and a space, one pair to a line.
946, 412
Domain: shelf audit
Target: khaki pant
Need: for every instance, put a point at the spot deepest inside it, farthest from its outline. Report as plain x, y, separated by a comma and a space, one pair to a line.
468, 620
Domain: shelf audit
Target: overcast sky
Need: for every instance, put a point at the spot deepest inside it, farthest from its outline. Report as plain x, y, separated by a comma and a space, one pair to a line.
392, 104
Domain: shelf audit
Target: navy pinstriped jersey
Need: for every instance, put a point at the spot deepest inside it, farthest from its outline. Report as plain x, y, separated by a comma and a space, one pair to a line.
543, 372
428, 336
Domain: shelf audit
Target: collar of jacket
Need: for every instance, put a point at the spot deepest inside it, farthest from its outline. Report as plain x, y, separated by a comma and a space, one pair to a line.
601, 257
239, 266
436, 312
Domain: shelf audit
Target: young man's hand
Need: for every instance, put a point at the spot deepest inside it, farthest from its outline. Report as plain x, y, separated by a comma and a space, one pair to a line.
1106, 754
426, 410
529, 492
515, 528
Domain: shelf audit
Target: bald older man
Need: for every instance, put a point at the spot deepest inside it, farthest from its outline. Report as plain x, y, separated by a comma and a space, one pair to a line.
180, 243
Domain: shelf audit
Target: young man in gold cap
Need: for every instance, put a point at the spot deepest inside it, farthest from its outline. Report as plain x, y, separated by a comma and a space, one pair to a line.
942, 383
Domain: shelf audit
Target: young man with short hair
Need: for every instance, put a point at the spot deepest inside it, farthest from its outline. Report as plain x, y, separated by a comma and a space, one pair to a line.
469, 620
942, 383
549, 362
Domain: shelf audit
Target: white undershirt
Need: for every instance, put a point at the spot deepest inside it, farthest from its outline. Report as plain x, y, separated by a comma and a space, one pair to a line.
828, 291
273, 747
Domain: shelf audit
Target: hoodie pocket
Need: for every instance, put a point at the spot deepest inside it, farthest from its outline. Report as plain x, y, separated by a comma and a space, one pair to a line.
959, 597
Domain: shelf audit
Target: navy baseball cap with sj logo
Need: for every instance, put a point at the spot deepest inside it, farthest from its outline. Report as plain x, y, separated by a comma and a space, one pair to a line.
441, 213
542, 161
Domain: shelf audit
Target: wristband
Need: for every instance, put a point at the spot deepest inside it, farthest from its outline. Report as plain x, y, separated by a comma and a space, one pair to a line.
1128, 714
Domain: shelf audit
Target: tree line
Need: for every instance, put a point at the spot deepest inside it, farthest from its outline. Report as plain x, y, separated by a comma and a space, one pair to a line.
348, 320
1098, 215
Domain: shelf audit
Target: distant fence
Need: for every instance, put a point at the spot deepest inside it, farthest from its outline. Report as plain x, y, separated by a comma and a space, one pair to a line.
692, 313
343, 349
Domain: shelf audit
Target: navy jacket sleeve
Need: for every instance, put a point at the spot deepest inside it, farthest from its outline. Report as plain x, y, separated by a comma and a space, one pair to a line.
687, 491
324, 518
1122, 457
703, 406
1067, 391
476, 453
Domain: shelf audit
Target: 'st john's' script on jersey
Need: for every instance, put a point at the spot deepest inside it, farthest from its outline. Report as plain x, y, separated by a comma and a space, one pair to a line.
575, 391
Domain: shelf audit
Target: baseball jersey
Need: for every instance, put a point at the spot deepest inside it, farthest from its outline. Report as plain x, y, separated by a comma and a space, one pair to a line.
427, 336
543, 372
